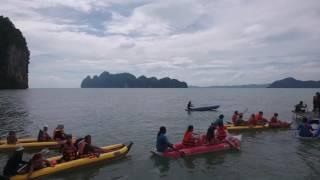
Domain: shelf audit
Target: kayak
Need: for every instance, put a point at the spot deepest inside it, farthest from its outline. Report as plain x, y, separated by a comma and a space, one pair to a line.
28, 144
232, 127
21, 140
207, 108
182, 151
117, 151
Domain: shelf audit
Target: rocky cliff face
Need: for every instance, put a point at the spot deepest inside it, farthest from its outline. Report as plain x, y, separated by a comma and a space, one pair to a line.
14, 57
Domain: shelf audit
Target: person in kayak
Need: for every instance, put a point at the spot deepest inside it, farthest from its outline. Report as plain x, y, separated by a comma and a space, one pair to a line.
221, 132
300, 108
87, 149
252, 120
69, 151
275, 122
37, 162
163, 144
240, 121
210, 134
235, 117
43, 134
189, 138
260, 119
219, 120
58, 133
12, 137
305, 129
190, 105
316, 102
14, 163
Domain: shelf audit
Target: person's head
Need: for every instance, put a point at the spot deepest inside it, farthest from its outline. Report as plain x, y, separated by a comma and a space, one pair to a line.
318, 93
253, 116
69, 138
162, 130
304, 120
37, 156
190, 128
236, 112
60, 127
12, 133
276, 114
45, 128
87, 139
221, 116
260, 113
301, 102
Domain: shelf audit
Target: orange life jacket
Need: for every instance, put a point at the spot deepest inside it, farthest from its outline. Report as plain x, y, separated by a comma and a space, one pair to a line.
188, 140
274, 120
221, 133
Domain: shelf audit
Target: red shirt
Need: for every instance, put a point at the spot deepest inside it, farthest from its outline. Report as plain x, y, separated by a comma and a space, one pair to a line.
234, 118
221, 133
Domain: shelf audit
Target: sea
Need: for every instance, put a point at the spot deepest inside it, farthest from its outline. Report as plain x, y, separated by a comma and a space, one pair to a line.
114, 116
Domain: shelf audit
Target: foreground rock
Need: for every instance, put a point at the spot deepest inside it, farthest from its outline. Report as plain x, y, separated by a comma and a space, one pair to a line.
14, 57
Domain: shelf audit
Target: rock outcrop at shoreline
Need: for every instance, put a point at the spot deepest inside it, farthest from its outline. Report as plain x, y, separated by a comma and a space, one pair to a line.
14, 56
127, 80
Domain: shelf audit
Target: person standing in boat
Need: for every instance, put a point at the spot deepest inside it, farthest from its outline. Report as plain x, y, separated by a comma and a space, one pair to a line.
300, 108
210, 137
14, 163
190, 105
219, 120
162, 141
316, 103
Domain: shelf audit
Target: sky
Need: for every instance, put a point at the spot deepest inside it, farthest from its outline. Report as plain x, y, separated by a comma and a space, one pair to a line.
201, 42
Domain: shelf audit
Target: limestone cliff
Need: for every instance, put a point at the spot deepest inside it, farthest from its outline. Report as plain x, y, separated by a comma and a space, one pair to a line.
14, 57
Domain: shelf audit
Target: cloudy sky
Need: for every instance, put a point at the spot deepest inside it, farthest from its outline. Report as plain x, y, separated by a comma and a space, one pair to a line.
202, 42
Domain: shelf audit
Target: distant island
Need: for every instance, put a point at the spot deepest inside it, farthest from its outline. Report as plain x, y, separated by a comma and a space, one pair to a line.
236, 86
14, 56
294, 83
127, 80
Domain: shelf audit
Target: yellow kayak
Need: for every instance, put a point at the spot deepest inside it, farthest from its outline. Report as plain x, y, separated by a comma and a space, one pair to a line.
232, 127
31, 143
117, 151
21, 140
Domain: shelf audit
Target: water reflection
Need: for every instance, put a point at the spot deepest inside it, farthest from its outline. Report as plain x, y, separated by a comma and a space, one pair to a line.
13, 114
163, 164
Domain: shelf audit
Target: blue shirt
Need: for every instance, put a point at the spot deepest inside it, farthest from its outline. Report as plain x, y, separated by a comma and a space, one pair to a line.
218, 121
162, 143
304, 130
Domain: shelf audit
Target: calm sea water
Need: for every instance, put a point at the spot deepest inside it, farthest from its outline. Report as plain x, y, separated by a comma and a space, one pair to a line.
119, 115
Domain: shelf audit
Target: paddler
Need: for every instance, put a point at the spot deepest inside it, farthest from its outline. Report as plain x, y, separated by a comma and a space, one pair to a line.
69, 151
221, 132
162, 141
210, 134
58, 133
275, 122
219, 120
190, 105
43, 134
14, 163
235, 117
87, 149
305, 129
260, 119
300, 108
240, 120
12, 137
37, 162
252, 120
189, 138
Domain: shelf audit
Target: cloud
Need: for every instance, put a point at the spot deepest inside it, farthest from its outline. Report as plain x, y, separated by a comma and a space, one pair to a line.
202, 42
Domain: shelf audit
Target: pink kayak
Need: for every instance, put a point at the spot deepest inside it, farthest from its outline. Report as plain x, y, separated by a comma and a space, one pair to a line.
182, 151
